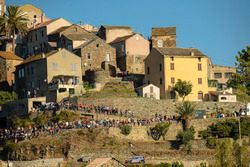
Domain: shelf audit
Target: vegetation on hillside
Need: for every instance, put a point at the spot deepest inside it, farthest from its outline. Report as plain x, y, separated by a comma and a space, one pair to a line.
241, 79
159, 130
126, 129
7, 96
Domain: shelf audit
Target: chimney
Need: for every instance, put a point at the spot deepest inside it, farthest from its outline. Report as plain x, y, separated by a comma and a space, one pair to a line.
42, 17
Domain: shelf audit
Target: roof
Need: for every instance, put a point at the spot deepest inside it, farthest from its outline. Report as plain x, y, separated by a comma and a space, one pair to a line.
162, 31
216, 65
122, 38
61, 29
179, 51
46, 23
80, 37
89, 42
37, 57
9, 56
115, 27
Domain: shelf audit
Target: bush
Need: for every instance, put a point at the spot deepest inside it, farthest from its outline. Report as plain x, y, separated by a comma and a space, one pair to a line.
126, 129
160, 130
7, 96
186, 136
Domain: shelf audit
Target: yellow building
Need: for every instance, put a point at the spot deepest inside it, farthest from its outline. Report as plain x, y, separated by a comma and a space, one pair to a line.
164, 66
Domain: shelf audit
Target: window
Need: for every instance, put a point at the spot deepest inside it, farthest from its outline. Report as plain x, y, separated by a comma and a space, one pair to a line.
122, 48
42, 33
228, 74
89, 56
138, 60
148, 70
160, 43
199, 67
54, 66
21, 73
160, 67
151, 89
199, 81
171, 66
172, 58
217, 75
200, 95
107, 57
73, 67
172, 80
97, 45
160, 81
199, 59
148, 82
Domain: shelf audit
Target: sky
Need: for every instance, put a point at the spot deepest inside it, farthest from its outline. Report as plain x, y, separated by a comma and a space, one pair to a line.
218, 28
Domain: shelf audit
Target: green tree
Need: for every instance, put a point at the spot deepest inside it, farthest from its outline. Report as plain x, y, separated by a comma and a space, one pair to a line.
186, 111
185, 137
223, 155
159, 130
126, 129
241, 155
13, 22
7, 96
183, 88
241, 79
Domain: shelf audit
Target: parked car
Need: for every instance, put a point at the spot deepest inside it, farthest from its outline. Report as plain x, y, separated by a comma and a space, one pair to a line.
136, 159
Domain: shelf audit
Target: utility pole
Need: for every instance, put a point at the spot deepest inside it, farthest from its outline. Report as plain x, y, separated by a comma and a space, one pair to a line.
240, 141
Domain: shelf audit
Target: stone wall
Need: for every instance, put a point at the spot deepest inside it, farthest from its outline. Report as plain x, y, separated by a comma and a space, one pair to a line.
144, 107
55, 162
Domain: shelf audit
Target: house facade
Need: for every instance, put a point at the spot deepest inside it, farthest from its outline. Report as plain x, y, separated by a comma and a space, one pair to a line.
55, 75
37, 38
8, 61
163, 37
110, 33
70, 37
97, 55
131, 50
149, 91
221, 74
164, 66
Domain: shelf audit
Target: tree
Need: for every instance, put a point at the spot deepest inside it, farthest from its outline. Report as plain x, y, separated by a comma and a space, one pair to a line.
242, 76
6, 97
186, 111
183, 88
159, 130
185, 137
241, 155
13, 22
126, 129
223, 154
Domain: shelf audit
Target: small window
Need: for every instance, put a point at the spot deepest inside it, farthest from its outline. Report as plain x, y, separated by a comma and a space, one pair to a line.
172, 58
62, 90
108, 58
199, 67
138, 60
199, 59
160, 81
223, 98
228, 74
151, 89
171, 66
160, 67
89, 56
73, 67
200, 95
217, 75
148, 70
148, 82
172, 80
199, 81
54, 66
160, 43
122, 48
97, 45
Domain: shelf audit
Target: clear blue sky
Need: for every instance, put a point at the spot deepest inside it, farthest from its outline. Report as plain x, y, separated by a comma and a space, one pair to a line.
219, 28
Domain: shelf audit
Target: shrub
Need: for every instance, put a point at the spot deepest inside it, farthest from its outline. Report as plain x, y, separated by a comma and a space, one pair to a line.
160, 130
186, 136
7, 96
126, 129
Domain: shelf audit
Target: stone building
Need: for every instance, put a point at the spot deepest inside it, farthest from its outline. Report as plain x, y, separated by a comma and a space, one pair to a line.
2, 7
55, 75
221, 74
131, 51
8, 61
164, 66
97, 55
163, 37
70, 37
110, 33
37, 38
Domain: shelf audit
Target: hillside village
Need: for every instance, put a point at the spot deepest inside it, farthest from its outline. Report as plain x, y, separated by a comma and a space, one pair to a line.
108, 73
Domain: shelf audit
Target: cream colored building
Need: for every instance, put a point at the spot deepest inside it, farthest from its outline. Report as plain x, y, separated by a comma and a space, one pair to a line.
55, 75
110, 33
221, 74
164, 66
149, 91
131, 50
37, 38
35, 15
